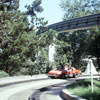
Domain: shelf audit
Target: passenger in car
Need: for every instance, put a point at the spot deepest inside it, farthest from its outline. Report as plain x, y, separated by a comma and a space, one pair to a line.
70, 68
65, 67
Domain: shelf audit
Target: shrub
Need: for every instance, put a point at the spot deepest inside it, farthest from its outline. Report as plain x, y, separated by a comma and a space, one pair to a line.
3, 74
23, 71
82, 88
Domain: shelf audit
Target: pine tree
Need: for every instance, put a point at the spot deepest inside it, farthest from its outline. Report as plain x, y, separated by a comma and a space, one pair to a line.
13, 26
18, 37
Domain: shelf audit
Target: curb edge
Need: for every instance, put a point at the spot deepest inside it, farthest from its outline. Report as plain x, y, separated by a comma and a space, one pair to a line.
68, 96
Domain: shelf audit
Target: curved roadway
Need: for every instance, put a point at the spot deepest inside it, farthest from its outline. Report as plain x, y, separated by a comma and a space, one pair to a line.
22, 91
29, 86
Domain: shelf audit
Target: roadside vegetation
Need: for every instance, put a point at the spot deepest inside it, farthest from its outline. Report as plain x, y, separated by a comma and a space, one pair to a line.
23, 51
82, 89
3, 74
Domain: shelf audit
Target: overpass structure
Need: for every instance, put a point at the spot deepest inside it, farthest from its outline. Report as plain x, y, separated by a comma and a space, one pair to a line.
75, 24
80, 23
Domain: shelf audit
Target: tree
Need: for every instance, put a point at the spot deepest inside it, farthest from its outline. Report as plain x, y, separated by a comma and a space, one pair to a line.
94, 43
14, 28
18, 39
78, 40
11, 23
38, 24
75, 48
46, 39
62, 54
79, 8
34, 8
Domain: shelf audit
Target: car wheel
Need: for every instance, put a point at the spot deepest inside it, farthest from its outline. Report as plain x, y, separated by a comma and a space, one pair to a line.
75, 75
63, 76
51, 77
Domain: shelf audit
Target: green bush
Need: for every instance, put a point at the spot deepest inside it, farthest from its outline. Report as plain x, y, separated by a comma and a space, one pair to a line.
3, 74
82, 88
23, 71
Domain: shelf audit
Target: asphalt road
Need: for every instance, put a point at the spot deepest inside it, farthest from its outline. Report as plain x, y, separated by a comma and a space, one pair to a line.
35, 86
30, 86
53, 93
22, 91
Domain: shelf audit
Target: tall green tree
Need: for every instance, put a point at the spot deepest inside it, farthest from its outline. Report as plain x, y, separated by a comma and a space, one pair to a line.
79, 8
78, 40
61, 56
14, 26
18, 36
75, 48
94, 43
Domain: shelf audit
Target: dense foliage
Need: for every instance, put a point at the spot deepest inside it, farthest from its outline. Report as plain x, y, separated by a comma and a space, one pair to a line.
19, 44
82, 89
84, 43
22, 51
94, 43
79, 8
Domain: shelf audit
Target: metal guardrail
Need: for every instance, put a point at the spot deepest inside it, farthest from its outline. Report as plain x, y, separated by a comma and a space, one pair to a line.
76, 23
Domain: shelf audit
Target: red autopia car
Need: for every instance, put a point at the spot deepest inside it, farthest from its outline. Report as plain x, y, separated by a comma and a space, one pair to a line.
71, 72
57, 73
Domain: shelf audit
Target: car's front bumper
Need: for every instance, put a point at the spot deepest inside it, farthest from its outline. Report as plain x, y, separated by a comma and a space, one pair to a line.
52, 75
69, 75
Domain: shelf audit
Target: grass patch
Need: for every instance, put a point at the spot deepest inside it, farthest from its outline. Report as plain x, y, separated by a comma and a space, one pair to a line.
82, 88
